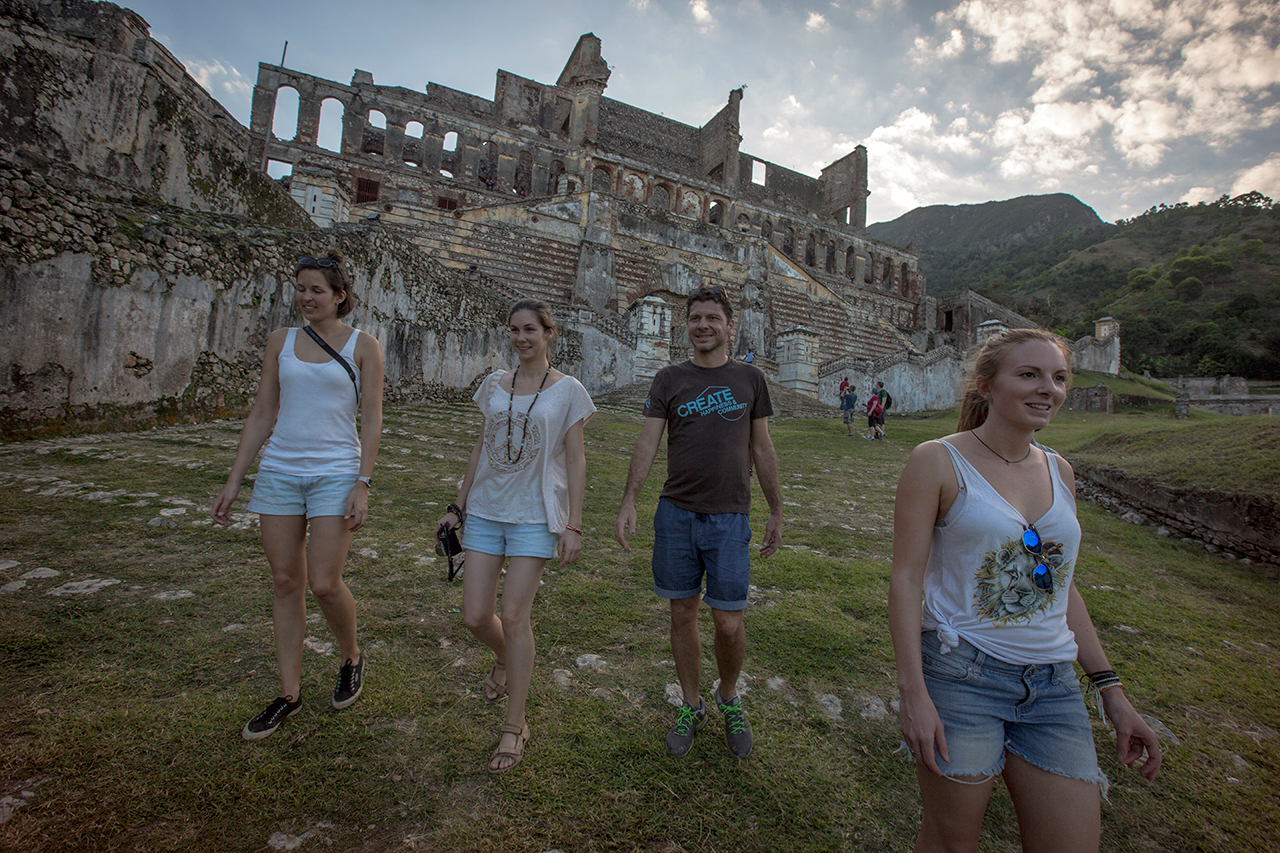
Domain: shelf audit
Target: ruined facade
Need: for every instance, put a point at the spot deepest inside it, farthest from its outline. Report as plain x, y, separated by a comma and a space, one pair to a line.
609, 212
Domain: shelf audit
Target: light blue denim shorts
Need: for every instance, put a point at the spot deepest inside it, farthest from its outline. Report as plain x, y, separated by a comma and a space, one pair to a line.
508, 539
275, 493
989, 707
688, 545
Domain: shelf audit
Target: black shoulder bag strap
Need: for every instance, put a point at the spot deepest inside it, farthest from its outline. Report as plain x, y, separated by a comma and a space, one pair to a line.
334, 353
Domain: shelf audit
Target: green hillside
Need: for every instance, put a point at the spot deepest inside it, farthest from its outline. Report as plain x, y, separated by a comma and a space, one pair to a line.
958, 243
1196, 288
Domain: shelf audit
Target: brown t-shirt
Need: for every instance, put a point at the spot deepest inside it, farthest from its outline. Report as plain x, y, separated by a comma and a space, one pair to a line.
709, 411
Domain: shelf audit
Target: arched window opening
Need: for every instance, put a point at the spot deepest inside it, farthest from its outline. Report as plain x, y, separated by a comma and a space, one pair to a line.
691, 205
375, 134
766, 229
555, 178
330, 134
831, 257
744, 223
716, 215
284, 121
888, 273
660, 199
524, 175
789, 242
851, 263
451, 141
445, 173
413, 152
601, 180
870, 276
811, 251
903, 280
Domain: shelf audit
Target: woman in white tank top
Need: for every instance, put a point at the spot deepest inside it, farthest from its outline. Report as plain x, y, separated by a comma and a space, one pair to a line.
314, 476
985, 533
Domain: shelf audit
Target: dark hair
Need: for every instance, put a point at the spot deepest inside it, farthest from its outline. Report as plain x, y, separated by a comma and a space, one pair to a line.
335, 275
880, 384
540, 309
973, 406
715, 294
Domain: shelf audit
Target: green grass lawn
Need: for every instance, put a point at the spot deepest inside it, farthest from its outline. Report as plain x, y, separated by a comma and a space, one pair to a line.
121, 728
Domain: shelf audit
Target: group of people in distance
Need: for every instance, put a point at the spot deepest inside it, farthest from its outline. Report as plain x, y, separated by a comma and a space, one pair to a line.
878, 402
985, 618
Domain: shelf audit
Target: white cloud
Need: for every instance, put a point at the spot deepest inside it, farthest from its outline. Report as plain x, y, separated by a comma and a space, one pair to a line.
1195, 195
702, 14
224, 82
638, 5
1264, 177
1146, 73
953, 46
817, 23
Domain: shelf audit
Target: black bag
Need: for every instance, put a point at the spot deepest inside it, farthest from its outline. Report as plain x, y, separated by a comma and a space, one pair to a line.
447, 545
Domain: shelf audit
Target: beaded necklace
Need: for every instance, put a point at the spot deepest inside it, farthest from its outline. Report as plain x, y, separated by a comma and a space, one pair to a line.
524, 427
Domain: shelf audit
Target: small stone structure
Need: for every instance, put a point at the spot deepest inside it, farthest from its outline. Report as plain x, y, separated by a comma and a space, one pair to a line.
1226, 395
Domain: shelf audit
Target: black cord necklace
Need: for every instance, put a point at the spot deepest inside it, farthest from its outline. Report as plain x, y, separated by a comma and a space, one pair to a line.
988, 447
524, 427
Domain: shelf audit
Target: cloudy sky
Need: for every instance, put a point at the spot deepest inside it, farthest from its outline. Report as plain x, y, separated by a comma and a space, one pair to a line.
1122, 103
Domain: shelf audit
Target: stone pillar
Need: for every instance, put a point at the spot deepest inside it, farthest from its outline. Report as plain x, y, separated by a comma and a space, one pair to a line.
798, 360
651, 320
1182, 405
988, 329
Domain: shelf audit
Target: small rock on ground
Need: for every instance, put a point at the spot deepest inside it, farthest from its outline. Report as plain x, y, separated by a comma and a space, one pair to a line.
830, 704
592, 662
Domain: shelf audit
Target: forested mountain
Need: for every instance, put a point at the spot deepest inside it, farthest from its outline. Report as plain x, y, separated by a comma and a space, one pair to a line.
1196, 288
955, 241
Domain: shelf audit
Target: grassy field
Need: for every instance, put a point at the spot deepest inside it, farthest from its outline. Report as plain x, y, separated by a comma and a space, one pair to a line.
124, 705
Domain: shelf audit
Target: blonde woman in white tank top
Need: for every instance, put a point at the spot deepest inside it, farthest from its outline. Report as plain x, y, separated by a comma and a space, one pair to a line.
985, 533
314, 477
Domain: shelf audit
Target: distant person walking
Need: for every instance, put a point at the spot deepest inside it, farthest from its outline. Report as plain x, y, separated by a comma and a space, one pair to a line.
875, 417
520, 502
315, 474
849, 409
716, 413
985, 530
886, 402
844, 386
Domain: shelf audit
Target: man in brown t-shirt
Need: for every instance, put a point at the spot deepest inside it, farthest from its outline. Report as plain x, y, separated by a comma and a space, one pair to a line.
716, 411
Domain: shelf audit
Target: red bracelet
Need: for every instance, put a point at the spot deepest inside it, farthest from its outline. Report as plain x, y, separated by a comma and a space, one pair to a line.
574, 529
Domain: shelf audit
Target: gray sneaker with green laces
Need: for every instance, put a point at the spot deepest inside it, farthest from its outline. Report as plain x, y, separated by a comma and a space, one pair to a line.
680, 736
737, 729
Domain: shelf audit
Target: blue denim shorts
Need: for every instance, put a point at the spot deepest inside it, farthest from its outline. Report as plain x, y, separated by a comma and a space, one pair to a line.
507, 539
687, 545
989, 707
275, 493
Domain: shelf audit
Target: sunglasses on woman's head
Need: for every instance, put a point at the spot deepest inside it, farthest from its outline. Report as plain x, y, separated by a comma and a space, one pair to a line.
1042, 575
317, 262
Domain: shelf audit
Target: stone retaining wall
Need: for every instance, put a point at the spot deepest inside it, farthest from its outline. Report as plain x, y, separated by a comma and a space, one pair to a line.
1240, 525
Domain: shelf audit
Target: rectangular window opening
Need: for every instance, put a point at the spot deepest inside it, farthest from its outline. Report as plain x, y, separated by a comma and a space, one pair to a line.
757, 172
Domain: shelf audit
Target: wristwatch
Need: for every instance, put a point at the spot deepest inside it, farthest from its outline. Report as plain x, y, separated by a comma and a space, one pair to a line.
368, 481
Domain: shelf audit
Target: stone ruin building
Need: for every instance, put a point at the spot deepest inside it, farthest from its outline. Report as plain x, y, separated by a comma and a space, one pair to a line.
609, 212
146, 252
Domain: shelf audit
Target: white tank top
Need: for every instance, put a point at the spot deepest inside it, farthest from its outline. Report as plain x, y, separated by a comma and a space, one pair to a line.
315, 430
978, 584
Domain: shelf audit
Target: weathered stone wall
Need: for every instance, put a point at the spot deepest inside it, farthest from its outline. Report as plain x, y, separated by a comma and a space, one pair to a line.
918, 382
1097, 355
82, 85
1092, 398
117, 312
1241, 525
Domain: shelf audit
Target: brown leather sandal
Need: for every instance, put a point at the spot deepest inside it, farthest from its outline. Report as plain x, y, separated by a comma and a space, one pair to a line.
522, 738
493, 691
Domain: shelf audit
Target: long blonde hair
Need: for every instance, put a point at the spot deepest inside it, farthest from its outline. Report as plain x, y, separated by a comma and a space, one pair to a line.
973, 406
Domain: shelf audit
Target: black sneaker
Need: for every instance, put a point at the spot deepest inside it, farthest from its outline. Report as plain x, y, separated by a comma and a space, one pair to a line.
350, 683
680, 736
270, 719
737, 729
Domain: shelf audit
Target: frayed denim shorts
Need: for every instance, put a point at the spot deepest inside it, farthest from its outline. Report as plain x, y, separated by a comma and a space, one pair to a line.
989, 707
509, 539
276, 493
